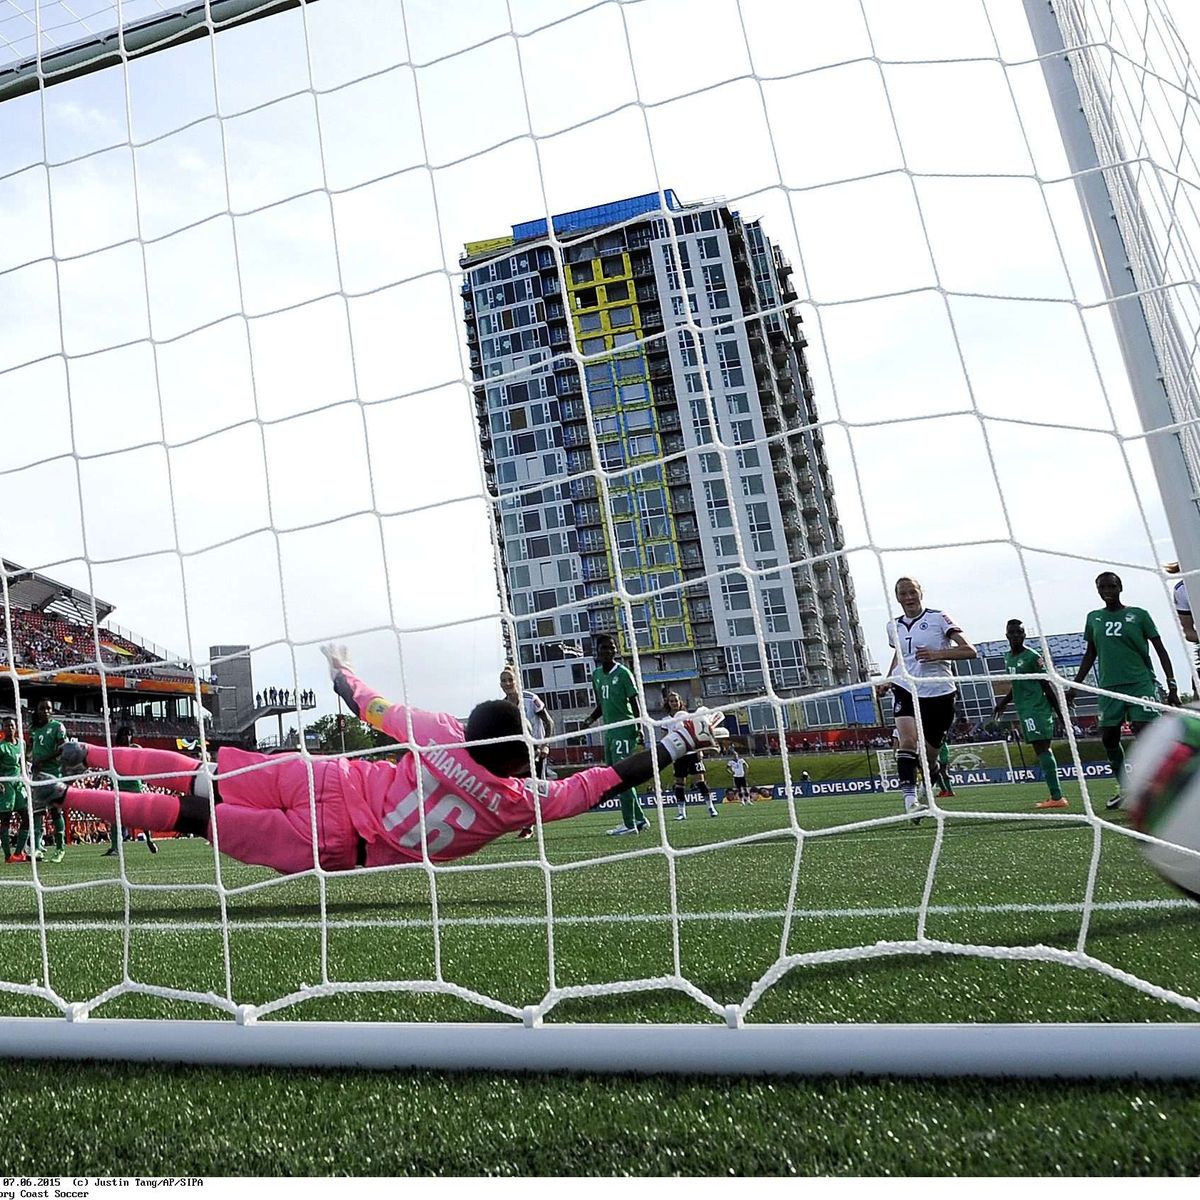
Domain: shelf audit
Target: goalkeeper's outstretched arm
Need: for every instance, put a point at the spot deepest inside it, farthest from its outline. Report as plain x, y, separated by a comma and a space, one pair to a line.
702, 730
363, 701
568, 797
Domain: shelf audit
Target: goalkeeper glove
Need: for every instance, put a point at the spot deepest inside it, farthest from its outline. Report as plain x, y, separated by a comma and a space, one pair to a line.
701, 730
337, 656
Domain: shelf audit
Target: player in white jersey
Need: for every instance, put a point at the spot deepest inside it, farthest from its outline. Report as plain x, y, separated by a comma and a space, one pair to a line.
688, 766
925, 642
738, 771
1183, 605
532, 709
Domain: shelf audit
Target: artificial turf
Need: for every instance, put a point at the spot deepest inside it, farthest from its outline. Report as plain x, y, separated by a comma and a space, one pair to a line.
997, 883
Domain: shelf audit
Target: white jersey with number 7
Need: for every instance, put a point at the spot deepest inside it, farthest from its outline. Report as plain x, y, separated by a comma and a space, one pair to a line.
930, 629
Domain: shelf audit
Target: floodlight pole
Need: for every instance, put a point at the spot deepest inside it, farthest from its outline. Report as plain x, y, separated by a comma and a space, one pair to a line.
1178, 479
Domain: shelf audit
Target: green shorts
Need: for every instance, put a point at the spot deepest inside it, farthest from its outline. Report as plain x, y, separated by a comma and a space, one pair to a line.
8, 799
620, 743
1117, 712
1037, 726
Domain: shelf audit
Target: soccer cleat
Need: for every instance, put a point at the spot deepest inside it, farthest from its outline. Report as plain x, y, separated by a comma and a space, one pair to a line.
109, 852
1051, 802
643, 824
618, 830
681, 817
523, 835
712, 812
153, 846
17, 858
1115, 802
57, 856
945, 794
36, 856
72, 758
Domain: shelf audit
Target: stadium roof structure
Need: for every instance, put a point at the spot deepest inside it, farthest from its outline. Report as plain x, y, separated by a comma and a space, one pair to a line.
33, 590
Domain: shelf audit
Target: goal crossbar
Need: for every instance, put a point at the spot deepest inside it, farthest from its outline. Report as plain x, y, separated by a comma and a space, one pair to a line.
166, 29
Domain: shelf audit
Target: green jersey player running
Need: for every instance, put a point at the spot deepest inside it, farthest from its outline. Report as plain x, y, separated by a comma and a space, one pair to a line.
1118, 638
12, 789
617, 706
46, 738
1037, 708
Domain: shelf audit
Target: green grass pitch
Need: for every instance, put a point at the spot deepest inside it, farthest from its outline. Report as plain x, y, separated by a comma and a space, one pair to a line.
998, 883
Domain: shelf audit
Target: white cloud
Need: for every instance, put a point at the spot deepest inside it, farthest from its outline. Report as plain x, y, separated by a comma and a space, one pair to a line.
925, 482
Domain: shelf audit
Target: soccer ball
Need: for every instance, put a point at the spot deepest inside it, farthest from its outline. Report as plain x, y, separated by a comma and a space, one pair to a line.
1163, 797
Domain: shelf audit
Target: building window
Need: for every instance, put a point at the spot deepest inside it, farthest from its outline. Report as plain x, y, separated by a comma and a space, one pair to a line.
735, 593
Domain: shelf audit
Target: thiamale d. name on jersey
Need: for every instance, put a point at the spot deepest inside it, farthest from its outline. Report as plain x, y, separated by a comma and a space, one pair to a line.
931, 628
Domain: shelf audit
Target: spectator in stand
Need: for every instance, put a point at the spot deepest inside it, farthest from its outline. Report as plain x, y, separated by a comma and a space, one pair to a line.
258, 700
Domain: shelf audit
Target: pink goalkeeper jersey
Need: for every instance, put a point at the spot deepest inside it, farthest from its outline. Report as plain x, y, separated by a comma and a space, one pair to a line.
465, 805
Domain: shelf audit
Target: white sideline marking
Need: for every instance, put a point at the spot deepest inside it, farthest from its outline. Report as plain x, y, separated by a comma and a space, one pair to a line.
820, 914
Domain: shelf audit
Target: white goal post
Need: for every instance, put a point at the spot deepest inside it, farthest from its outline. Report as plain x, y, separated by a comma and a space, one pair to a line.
212, 275
970, 759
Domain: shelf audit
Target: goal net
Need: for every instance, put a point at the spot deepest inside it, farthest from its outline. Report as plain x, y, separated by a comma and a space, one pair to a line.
465, 335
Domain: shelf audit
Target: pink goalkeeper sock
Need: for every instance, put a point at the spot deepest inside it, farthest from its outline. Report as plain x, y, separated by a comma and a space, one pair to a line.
141, 810
136, 761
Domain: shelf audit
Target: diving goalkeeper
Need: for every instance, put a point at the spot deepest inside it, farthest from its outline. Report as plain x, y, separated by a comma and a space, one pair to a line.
368, 814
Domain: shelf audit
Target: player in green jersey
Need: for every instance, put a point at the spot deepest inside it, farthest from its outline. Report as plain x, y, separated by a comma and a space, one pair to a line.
945, 791
124, 737
12, 788
1118, 638
46, 737
617, 705
1037, 708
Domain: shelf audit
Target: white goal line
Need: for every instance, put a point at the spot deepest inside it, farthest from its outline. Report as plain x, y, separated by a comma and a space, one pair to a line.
401, 923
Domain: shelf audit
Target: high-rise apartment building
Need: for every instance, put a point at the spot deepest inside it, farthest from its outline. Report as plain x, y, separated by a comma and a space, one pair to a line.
669, 332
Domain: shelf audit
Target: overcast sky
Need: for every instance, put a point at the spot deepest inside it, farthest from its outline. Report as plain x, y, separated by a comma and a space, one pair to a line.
296, 461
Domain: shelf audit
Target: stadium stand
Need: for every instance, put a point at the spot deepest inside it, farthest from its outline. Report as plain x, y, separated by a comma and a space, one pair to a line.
59, 643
